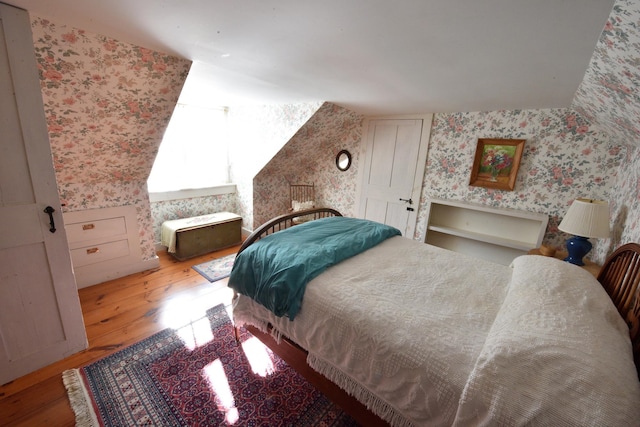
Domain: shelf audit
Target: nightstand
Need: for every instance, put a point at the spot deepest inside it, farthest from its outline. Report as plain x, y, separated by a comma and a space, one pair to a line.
590, 266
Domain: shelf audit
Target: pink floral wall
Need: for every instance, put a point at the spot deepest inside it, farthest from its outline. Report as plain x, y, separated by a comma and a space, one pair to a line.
107, 104
590, 149
564, 158
256, 134
309, 158
609, 96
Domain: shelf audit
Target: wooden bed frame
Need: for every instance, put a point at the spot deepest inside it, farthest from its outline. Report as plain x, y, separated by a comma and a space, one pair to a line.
619, 276
285, 221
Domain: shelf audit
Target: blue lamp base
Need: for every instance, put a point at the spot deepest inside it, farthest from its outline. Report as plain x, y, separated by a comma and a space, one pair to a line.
577, 248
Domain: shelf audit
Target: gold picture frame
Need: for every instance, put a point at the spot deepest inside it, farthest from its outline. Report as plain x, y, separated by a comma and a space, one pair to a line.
496, 163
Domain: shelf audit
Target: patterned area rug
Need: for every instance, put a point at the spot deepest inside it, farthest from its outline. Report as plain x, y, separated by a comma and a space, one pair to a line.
216, 269
197, 376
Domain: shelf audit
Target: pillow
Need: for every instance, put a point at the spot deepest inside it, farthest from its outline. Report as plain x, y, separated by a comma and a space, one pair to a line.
301, 206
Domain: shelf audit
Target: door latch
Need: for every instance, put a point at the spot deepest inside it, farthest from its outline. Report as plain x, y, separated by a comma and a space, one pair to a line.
410, 201
49, 211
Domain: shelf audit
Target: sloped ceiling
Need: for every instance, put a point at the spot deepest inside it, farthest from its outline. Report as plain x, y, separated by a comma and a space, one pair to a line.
609, 94
371, 56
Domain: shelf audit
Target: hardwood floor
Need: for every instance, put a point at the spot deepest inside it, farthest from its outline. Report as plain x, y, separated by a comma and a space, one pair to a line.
117, 313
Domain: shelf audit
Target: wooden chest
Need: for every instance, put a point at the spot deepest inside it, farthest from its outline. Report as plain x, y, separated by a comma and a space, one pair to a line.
200, 235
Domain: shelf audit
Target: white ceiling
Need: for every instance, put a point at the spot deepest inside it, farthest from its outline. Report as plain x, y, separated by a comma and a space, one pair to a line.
372, 56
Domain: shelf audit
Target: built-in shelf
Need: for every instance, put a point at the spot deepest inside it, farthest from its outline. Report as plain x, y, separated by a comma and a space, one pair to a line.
494, 234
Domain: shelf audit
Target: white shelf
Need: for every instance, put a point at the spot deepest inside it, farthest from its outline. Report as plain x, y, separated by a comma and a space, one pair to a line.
487, 238
495, 234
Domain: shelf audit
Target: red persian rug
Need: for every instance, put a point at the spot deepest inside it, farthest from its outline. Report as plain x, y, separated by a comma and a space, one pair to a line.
197, 376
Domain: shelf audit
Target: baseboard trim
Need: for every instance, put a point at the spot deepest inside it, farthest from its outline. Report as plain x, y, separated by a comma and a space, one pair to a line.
106, 271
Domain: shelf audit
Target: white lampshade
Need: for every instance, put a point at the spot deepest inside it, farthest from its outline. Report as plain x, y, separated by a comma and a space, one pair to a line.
587, 218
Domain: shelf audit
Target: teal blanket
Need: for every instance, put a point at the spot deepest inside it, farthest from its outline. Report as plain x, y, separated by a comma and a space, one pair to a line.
275, 270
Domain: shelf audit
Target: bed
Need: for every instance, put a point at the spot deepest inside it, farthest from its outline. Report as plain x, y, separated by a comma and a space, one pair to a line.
410, 334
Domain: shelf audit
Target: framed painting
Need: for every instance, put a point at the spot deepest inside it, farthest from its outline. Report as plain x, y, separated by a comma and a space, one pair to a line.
496, 163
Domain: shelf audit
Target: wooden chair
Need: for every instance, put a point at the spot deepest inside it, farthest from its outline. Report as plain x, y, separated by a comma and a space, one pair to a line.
620, 276
303, 197
301, 193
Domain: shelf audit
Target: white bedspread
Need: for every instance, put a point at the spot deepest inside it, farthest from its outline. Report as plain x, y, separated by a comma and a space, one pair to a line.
425, 336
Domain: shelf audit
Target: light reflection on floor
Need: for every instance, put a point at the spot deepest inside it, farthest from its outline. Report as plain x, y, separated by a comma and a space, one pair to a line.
189, 320
196, 334
188, 317
214, 373
259, 357
261, 361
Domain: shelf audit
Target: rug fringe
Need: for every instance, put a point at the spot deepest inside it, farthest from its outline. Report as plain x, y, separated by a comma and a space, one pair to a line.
79, 399
371, 401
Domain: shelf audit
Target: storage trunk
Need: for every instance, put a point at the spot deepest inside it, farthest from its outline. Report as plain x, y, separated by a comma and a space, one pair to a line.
195, 241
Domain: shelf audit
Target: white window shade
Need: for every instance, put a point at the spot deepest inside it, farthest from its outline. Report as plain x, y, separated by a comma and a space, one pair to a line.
193, 152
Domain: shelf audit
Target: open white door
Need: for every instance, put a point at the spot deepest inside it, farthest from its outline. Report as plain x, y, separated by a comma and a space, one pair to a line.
394, 162
40, 316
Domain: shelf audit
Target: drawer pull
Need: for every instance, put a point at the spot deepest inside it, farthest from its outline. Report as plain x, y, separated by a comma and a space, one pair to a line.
93, 251
88, 226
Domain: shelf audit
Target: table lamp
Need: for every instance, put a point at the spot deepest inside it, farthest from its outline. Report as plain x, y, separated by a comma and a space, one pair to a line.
585, 218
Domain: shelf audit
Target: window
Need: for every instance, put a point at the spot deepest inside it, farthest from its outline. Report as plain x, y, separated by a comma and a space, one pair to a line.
193, 152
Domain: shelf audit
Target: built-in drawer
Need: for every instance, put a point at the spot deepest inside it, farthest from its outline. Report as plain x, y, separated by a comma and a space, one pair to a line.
104, 244
98, 253
96, 229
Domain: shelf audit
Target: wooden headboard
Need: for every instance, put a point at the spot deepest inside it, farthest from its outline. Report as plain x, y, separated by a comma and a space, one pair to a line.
620, 276
285, 221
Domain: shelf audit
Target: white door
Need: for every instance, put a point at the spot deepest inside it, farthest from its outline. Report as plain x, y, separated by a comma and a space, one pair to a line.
394, 162
40, 316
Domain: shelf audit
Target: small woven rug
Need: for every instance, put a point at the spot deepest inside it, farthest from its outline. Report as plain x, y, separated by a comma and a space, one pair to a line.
216, 269
197, 376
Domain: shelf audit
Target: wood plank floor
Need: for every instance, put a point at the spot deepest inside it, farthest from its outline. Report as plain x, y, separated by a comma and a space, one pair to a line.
117, 313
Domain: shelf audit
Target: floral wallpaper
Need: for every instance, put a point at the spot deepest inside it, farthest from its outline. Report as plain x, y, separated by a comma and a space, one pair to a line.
625, 202
587, 150
107, 104
256, 135
609, 96
309, 158
564, 158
